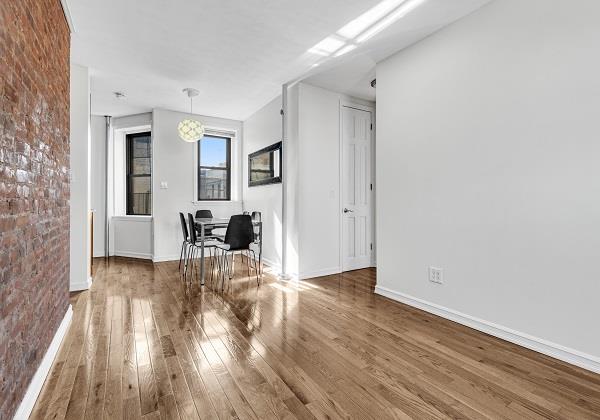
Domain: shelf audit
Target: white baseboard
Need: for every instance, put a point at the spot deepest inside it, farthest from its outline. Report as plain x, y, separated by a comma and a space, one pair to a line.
163, 258
557, 351
129, 254
35, 386
273, 267
84, 285
320, 273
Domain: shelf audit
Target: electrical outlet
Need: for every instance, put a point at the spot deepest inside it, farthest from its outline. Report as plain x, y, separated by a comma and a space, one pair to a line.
436, 275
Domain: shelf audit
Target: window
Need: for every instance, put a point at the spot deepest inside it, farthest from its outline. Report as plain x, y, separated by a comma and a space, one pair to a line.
214, 168
264, 166
139, 173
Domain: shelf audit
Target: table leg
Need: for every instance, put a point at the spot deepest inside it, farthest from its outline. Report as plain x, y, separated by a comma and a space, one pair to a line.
202, 255
260, 235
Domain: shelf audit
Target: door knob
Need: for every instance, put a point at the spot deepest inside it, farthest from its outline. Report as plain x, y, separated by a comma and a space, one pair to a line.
348, 210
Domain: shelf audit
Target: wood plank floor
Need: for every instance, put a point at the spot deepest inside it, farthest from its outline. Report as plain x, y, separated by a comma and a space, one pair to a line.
144, 346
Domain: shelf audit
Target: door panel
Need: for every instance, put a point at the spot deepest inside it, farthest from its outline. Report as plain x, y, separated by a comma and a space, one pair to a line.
356, 188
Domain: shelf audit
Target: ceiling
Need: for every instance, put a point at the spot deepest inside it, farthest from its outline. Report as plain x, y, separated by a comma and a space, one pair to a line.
237, 53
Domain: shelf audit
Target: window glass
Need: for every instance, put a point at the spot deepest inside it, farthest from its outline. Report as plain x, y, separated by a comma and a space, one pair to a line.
139, 174
214, 168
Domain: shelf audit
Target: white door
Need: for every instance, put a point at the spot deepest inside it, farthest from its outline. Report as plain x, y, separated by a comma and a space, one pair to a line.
356, 189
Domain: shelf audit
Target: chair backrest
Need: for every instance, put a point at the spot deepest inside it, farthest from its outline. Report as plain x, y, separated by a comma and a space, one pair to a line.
193, 236
204, 214
239, 233
184, 229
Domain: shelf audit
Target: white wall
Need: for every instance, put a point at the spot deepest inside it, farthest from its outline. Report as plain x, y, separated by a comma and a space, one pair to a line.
80, 181
319, 186
132, 236
487, 166
261, 130
97, 180
173, 163
318, 200
129, 236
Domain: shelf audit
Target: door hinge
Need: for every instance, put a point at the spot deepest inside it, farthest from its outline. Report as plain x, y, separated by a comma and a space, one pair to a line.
371, 187
371, 126
371, 246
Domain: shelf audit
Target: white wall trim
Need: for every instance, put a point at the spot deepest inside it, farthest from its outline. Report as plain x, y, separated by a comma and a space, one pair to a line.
557, 351
35, 386
68, 17
129, 254
272, 265
163, 258
319, 273
132, 218
83, 285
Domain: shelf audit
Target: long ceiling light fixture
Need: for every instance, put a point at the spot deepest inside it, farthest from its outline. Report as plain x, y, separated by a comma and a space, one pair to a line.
189, 129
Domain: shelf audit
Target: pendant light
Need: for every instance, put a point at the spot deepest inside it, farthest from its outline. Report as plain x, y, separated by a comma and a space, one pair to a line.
189, 129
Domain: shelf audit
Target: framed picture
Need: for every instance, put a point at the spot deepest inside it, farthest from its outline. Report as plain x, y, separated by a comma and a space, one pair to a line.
264, 166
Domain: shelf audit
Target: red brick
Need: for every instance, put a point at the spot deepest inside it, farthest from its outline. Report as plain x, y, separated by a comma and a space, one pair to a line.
34, 188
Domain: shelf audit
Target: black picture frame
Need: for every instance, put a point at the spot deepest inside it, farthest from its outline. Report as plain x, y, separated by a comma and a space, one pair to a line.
274, 178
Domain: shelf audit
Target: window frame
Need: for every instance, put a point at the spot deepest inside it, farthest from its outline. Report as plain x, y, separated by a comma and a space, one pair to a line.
129, 175
227, 168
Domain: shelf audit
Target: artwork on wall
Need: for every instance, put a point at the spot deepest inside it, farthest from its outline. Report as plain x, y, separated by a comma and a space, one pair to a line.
264, 166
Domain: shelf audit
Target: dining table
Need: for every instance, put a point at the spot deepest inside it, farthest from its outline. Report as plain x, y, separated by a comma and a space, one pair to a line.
203, 224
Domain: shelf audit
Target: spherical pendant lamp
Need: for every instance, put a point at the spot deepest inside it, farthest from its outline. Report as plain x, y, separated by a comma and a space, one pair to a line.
189, 129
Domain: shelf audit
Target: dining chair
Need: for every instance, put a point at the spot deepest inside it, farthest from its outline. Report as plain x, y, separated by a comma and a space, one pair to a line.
196, 244
256, 217
208, 232
238, 237
184, 244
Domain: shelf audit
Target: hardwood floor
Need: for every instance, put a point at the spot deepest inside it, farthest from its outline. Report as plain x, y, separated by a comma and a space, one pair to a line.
143, 346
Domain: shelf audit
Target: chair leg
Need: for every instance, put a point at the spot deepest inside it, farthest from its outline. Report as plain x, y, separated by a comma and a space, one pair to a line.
181, 254
248, 262
192, 262
255, 268
189, 262
225, 270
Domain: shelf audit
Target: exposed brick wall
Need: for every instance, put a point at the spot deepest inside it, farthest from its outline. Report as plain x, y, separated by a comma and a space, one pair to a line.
34, 188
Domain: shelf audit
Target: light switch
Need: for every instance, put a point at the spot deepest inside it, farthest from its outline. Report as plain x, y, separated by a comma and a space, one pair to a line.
164, 185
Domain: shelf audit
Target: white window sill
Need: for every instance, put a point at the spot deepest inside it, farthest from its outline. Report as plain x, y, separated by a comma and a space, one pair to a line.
216, 203
132, 218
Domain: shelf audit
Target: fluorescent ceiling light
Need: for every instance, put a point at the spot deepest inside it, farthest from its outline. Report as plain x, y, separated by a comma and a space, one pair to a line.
344, 50
358, 25
327, 46
400, 12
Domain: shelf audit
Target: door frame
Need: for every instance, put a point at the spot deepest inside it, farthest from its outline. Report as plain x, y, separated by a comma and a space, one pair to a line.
371, 109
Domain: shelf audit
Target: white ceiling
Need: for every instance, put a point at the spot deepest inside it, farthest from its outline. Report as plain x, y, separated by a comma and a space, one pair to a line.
237, 53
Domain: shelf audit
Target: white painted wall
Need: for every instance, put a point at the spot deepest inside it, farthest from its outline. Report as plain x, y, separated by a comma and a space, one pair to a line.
261, 130
132, 236
318, 201
319, 186
173, 163
79, 231
487, 166
129, 236
97, 180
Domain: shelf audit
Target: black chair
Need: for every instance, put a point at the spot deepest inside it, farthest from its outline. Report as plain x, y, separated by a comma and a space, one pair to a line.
239, 236
256, 217
195, 245
186, 240
208, 232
